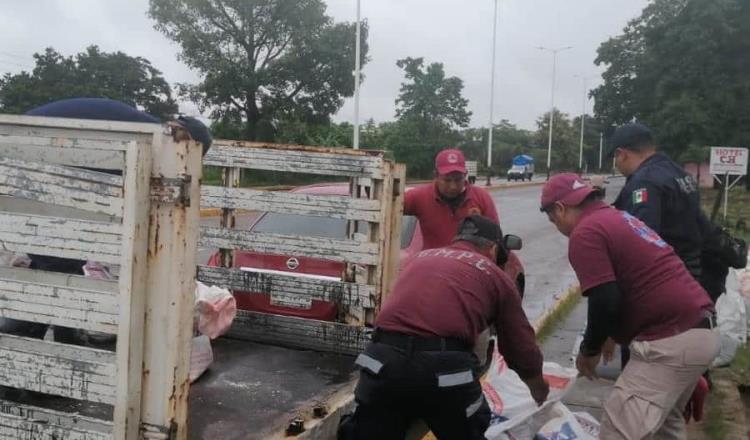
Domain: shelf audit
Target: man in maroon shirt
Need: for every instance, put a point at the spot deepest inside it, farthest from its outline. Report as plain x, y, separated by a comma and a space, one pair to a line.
639, 293
421, 364
442, 204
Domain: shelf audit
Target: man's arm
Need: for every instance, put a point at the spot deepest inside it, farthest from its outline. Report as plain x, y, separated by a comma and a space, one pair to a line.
489, 209
410, 202
516, 341
605, 301
645, 203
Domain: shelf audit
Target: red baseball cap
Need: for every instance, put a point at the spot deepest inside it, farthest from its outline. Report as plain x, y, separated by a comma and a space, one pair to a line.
567, 189
449, 161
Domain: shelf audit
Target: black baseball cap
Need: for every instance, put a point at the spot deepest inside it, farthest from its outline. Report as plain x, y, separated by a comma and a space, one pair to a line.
477, 226
630, 136
197, 129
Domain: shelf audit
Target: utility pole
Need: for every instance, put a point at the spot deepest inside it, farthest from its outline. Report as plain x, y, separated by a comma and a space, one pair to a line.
552, 101
491, 128
357, 66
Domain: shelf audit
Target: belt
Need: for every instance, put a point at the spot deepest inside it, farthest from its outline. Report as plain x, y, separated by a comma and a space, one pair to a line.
708, 322
412, 343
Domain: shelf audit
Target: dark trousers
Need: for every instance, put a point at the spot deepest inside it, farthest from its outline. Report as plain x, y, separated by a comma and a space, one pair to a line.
397, 387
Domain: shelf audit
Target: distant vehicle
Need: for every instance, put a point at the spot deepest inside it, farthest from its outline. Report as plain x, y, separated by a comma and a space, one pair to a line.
268, 222
471, 171
522, 169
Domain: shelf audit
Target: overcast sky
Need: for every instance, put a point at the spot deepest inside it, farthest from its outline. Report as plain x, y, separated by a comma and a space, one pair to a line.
457, 33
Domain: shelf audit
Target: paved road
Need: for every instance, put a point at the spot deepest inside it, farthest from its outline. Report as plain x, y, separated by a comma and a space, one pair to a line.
544, 254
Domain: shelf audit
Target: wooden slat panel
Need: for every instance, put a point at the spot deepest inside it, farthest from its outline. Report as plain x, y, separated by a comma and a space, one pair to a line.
351, 251
282, 286
295, 159
25, 422
77, 128
110, 160
63, 370
35, 299
81, 239
342, 207
299, 332
65, 186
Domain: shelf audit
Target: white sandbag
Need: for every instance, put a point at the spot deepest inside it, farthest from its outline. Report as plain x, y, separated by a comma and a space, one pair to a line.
10, 259
201, 357
731, 321
564, 424
514, 412
215, 309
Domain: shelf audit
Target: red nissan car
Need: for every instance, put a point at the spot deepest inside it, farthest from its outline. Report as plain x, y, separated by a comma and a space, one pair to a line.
411, 243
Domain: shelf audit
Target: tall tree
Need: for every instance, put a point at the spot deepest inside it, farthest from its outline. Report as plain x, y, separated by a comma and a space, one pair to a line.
681, 67
565, 142
262, 61
430, 109
429, 98
91, 73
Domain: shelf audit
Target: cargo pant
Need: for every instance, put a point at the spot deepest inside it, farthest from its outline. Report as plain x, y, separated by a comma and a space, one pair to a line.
657, 383
397, 388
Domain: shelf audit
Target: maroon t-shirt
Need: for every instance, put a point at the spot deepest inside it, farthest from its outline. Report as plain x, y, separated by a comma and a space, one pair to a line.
456, 292
438, 221
660, 297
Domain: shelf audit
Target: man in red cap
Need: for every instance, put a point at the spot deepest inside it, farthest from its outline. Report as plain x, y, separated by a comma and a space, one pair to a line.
441, 205
639, 293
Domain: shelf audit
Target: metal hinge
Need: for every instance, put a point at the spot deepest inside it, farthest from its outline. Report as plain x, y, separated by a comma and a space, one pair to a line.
156, 432
174, 190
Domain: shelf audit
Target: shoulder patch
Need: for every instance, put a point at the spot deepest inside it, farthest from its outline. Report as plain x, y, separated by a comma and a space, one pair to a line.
640, 196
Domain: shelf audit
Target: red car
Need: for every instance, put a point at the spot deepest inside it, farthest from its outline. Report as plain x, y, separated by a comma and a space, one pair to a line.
268, 222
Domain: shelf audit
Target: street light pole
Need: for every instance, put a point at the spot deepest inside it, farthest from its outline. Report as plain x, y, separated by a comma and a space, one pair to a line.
492, 99
357, 67
601, 145
552, 102
583, 119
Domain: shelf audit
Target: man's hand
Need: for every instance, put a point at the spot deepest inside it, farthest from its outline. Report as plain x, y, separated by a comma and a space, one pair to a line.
586, 365
539, 389
608, 351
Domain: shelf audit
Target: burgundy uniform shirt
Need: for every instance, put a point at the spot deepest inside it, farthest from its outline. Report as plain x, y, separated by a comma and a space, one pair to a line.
660, 297
438, 221
456, 292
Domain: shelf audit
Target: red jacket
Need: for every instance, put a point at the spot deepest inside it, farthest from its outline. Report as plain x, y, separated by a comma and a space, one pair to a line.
439, 222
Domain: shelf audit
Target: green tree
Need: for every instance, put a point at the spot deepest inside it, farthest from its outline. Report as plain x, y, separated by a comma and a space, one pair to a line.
681, 67
429, 98
507, 141
565, 142
262, 61
430, 109
91, 73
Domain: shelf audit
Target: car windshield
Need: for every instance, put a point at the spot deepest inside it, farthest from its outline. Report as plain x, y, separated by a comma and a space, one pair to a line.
294, 224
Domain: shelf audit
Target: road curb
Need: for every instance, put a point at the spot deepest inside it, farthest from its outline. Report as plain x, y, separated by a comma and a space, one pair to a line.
543, 320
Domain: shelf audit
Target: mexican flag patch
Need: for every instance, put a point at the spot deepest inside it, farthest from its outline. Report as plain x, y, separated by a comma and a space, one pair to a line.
640, 196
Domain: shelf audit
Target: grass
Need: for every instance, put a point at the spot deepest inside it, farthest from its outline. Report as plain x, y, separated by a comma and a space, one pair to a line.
718, 416
740, 366
738, 208
552, 321
714, 425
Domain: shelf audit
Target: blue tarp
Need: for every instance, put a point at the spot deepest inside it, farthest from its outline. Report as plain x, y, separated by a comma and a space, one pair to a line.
523, 159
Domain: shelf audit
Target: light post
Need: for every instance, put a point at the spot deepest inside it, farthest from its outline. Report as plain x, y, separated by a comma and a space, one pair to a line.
357, 66
552, 100
492, 99
583, 119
